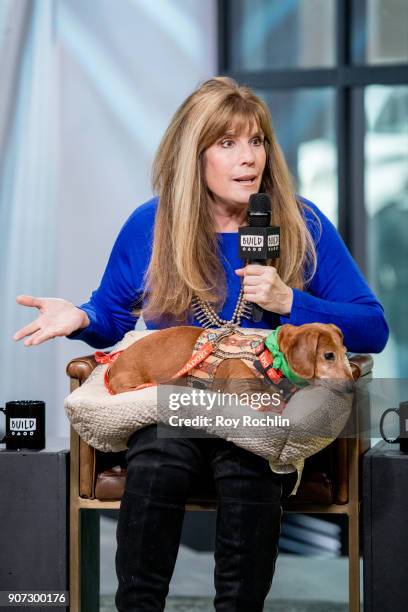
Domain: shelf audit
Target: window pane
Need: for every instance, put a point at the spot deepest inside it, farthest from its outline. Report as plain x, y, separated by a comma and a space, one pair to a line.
269, 35
380, 31
304, 123
386, 201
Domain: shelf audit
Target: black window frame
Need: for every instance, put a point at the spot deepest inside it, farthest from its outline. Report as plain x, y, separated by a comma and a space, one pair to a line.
348, 80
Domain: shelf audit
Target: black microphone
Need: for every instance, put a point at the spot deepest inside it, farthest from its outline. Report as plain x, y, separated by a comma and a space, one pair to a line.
259, 241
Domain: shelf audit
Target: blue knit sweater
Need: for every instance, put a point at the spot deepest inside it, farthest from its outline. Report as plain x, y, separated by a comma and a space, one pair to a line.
338, 292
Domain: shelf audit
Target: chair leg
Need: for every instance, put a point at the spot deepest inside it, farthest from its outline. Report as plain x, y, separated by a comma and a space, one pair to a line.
354, 526
90, 554
74, 560
74, 527
354, 560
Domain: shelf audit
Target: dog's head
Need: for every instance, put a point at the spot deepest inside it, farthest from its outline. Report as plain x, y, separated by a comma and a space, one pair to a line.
315, 351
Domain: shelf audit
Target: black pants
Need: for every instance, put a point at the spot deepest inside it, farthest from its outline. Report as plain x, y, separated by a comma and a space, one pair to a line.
160, 475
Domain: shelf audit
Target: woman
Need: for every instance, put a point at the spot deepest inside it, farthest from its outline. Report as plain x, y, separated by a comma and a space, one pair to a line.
176, 252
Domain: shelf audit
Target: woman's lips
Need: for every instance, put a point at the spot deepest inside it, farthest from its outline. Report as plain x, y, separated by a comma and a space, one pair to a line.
246, 181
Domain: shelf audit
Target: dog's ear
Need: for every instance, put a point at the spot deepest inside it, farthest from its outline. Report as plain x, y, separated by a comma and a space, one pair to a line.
337, 330
300, 348
285, 336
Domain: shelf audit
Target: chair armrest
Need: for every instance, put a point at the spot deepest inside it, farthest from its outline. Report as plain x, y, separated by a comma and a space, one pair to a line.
78, 370
361, 364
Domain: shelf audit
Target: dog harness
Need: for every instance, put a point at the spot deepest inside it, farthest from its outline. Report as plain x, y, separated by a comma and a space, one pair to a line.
110, 358
258, 350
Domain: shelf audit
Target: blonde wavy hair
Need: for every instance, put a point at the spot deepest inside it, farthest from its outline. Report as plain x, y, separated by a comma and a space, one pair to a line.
184, 257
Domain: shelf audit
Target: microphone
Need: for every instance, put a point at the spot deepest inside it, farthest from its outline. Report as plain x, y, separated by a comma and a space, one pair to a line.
259, 241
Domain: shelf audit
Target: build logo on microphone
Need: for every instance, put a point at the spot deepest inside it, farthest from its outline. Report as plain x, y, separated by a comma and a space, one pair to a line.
259, 243
273, 240
252, 242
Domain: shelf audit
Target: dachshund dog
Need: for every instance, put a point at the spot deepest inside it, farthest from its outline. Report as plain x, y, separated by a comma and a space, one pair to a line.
313, 351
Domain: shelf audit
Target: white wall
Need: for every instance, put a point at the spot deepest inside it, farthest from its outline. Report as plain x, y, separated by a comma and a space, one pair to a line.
124, 67
124, 70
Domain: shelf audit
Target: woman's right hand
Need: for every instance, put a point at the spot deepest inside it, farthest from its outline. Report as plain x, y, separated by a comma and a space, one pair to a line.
58, 318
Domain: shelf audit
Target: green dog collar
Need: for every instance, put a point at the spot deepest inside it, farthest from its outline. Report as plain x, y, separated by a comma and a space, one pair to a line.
279, 361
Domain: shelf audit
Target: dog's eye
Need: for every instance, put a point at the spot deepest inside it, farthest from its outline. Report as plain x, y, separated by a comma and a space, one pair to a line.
329, 356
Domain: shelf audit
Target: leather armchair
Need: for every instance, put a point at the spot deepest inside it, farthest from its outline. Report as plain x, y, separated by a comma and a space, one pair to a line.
330, 483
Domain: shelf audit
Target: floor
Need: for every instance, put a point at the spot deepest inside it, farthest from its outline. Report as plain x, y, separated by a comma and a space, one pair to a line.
205, 604
300, 584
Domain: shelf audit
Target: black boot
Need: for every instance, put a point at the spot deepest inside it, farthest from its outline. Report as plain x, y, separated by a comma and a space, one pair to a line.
248, 527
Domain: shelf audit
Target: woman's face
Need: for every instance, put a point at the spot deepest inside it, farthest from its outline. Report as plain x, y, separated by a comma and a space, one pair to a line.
234, 164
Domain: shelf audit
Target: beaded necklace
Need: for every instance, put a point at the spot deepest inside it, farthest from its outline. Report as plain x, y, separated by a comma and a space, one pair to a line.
207, 317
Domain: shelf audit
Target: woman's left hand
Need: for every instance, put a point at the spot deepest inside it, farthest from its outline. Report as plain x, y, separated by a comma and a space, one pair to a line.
263, 286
